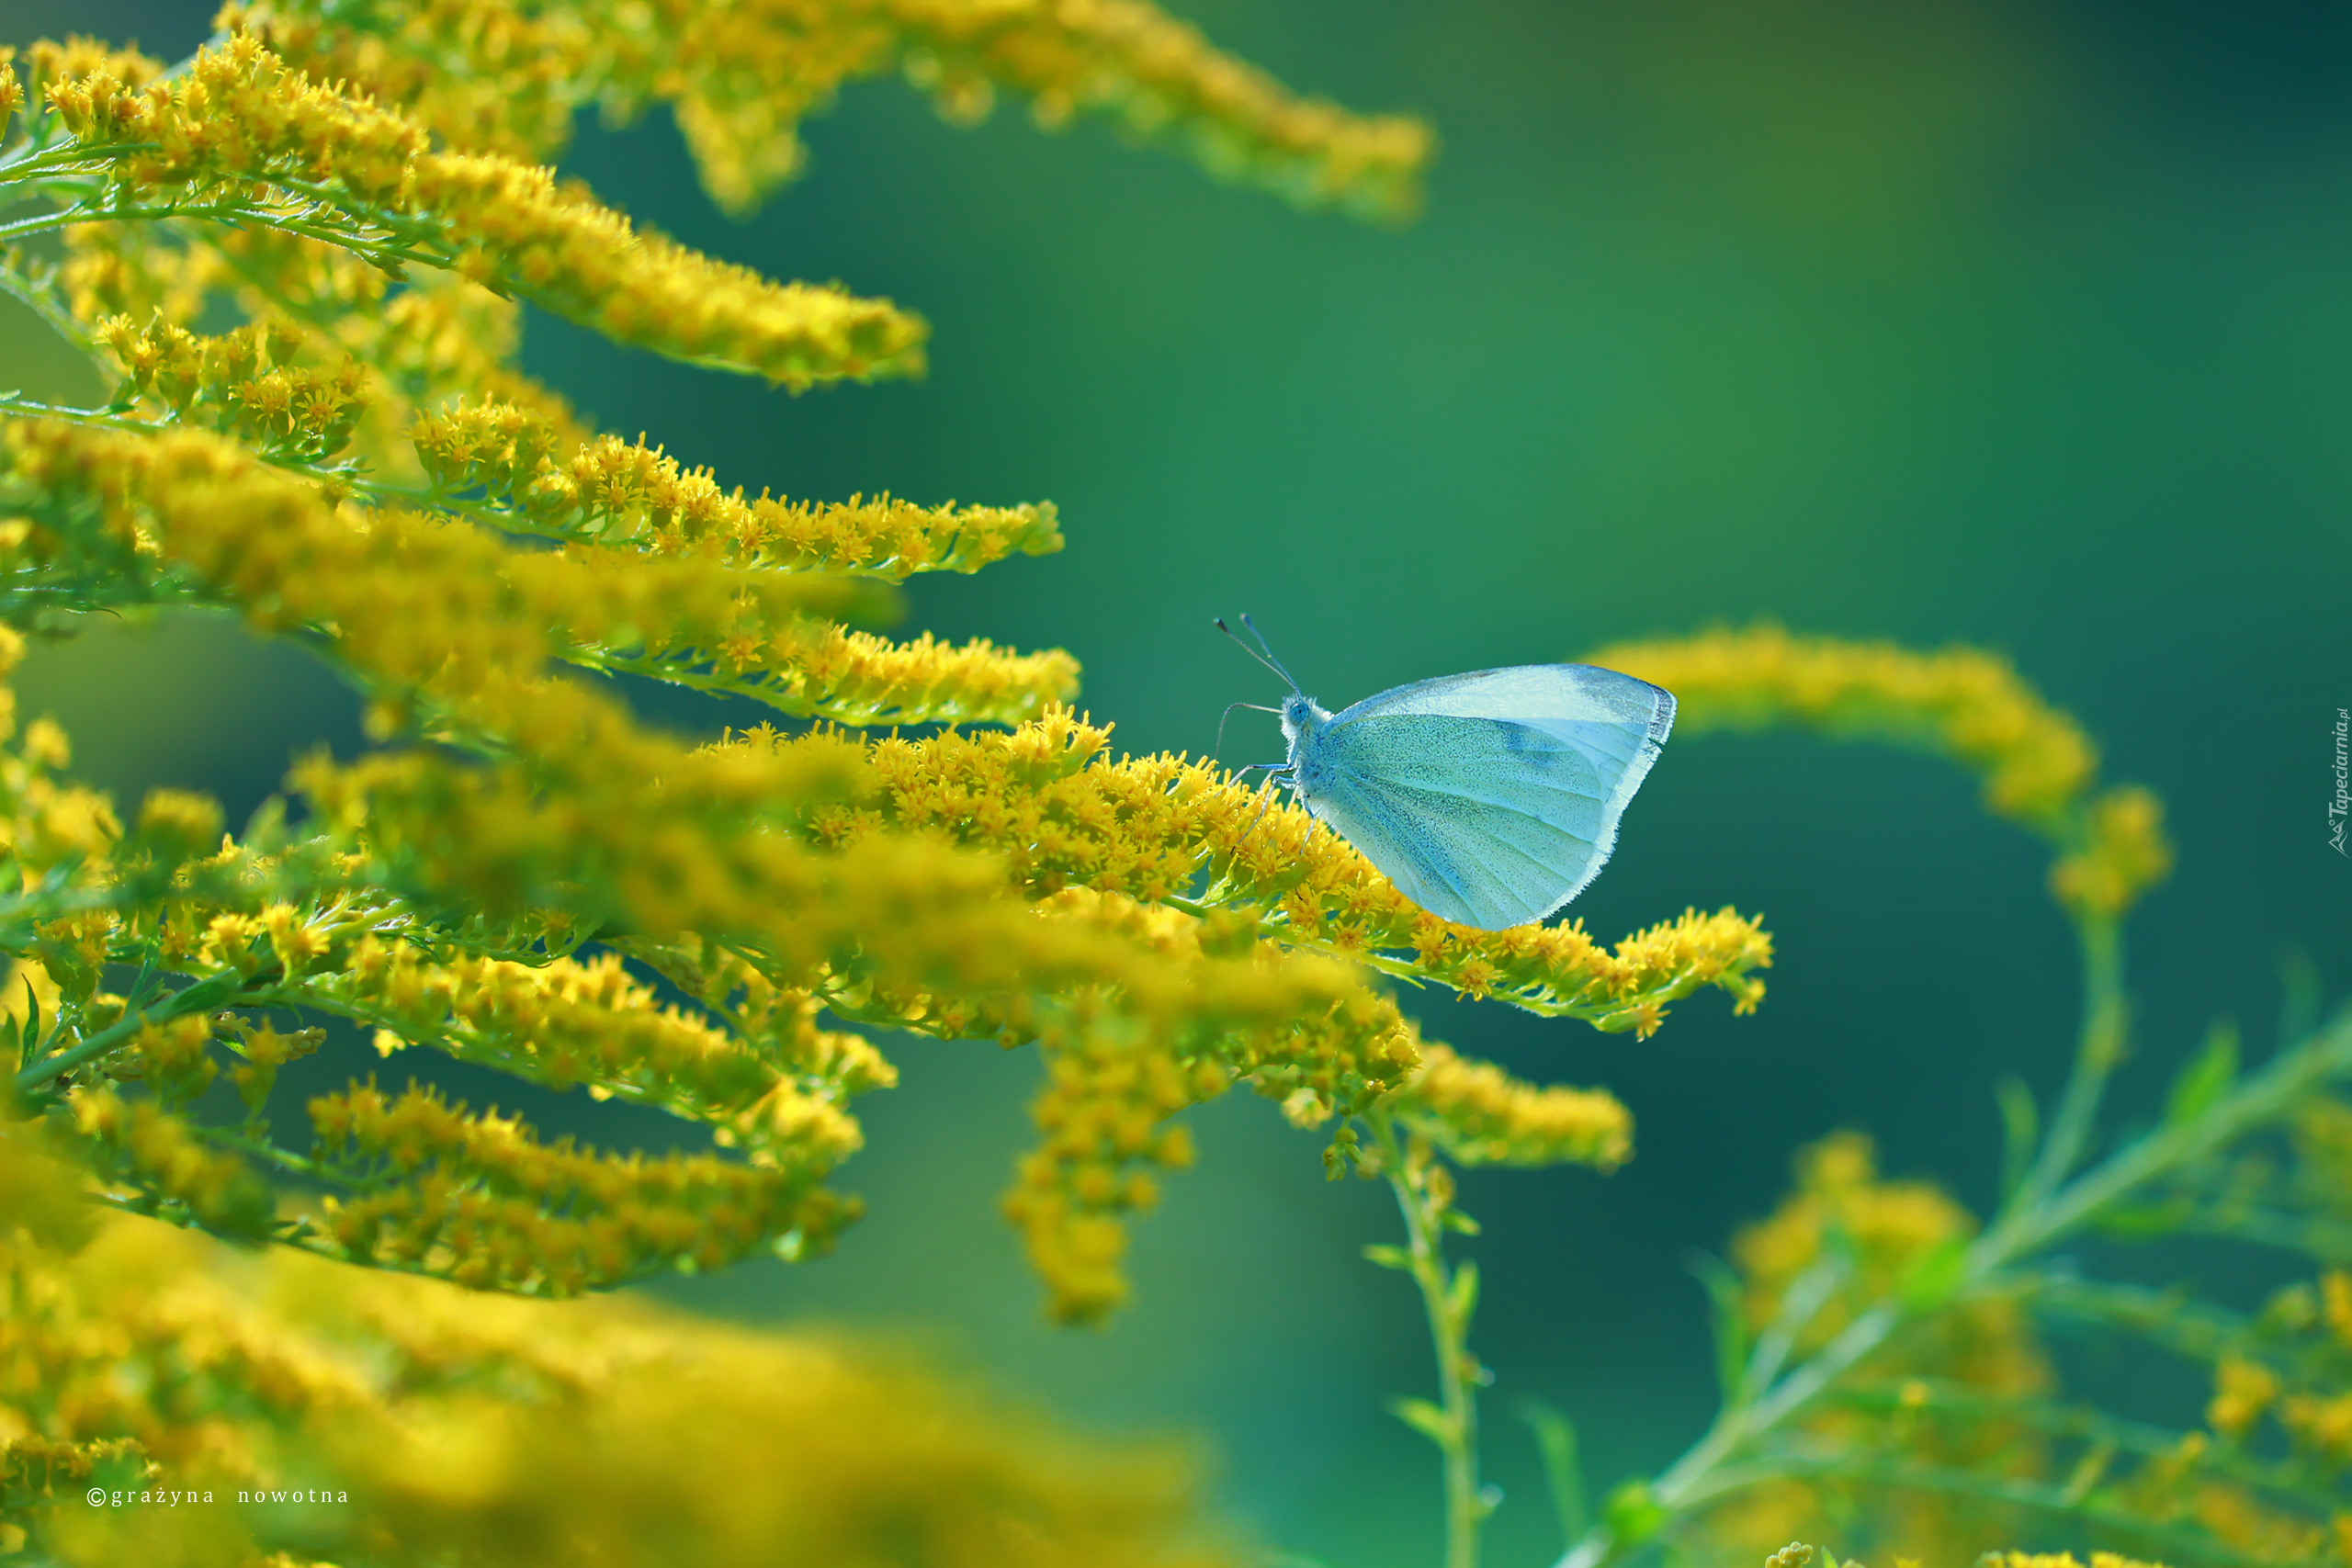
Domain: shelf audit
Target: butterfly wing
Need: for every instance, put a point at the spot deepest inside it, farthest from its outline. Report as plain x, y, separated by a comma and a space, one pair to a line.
1490, 798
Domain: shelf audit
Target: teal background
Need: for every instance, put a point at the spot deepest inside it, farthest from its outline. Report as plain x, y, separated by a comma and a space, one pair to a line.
2020, 325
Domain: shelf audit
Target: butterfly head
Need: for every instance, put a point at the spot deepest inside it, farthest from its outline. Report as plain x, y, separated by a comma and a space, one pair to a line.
1302, 716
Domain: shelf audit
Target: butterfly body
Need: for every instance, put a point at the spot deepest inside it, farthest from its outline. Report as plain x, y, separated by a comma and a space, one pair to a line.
1490, 798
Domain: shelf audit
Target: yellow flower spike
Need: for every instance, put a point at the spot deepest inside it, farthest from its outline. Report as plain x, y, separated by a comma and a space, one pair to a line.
12, 89
739, 78
1481, 1115
568, 1022
413, 599
1067, 813
490, 1206
2037, 766
615, 493
239, 115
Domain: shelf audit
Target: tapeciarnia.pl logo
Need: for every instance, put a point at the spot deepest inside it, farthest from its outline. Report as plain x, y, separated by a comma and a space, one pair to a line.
2338, 808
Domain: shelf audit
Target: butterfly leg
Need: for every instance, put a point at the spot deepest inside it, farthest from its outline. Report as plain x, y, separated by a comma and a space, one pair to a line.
1276, 773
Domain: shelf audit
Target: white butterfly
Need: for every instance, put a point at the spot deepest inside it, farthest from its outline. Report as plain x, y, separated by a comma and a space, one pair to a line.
1491, 798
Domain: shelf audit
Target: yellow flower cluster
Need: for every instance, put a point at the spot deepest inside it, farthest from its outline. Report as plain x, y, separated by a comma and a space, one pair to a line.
2037, 765
241, 134
49, 827
243, 383
428, 607
896, 931
1882, 1227
612, 492
2298, 1374
480, 1200
776, 1089
427, 1188
2058, 1560
899, 924
2122, 852
1145, 921
135, 270
430, 337
1066, 812
506, 77
1871, 1237
1481, 1115
2190, 1487
2321, 1134
160, 1164
173, 1059
1114, 1074
443, 1424
12, 89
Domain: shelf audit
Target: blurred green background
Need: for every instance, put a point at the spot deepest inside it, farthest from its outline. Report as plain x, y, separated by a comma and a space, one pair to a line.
2017, 324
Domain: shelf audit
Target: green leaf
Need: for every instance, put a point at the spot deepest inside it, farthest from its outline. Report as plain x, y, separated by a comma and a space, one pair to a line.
32, 1025
2020, 1127
1427, 1419
1633, 1514
1456, 1220
1462, 1296
1388, 1257
1556, 1435
1935, 1275
2207, 1076
2142, 1222
1727, 1317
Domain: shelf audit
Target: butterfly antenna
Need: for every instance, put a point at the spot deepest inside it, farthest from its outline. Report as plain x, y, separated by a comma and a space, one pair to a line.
1262, 658
1279, 668
1267, 657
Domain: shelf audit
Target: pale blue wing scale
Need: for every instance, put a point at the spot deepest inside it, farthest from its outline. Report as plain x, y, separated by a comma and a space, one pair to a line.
1495, 793
1478, 865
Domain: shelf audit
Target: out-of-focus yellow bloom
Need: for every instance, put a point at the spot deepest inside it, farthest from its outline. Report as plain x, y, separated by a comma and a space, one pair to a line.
1847, 1237
507, 77
2122, 853
441, 1423
2038, 767
2242, 1391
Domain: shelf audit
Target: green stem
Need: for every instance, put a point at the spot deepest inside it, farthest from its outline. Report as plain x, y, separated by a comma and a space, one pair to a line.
1410, 1171
220, 990
42, 304
2097, 1050
2094, 1428
1706, 1472
2013, 1491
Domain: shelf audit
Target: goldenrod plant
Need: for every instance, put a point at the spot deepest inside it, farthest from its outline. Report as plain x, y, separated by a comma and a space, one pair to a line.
299, 259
